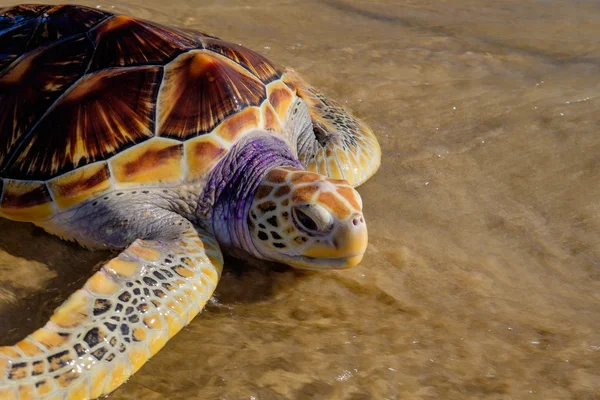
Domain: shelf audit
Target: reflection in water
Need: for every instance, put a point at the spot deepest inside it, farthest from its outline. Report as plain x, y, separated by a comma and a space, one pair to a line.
482, 275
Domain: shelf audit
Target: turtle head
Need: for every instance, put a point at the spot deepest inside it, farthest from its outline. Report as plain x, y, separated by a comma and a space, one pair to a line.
307, 220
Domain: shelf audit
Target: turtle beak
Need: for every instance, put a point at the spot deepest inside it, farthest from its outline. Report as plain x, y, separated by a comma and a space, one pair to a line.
344, 249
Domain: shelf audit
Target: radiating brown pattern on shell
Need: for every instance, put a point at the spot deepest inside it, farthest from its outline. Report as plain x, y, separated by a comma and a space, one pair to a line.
13, 42
124, 41
24, 194
62, 21
30, 26
48, 72
102, 114
20, 13
251, 60
201, 89
74, 187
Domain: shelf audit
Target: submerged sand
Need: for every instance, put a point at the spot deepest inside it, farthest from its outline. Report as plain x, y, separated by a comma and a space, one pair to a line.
482, 275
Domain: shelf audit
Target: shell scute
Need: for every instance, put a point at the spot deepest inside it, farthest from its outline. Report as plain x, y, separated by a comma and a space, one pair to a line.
62, 21
74, 187
27, 27
202, 153
252, 61
48, 73
19, 14
13, 41
270, 119
236, 125
90, 123
281, 98
124, 41
26, 201
201, 89
157, 160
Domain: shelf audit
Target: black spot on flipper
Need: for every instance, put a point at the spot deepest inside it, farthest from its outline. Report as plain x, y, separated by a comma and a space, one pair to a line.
111, 327
58, 360
101, 306
142, 308
34, 371
273, 221
149, 281
262, 235
100, 353
124, 329
92, 337
80, 350
125, 297
279, 245
18, 371
275, 235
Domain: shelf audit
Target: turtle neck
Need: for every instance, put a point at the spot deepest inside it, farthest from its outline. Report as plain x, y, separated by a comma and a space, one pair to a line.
232, 184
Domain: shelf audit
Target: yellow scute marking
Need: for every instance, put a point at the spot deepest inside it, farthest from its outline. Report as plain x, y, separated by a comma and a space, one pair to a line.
100, 283
82, 184
233, 127
280, 97
211, 274
138, 356
26, 392
80, 391
156, 341
118, 376
29, 348
173, 323
153, 321
48, 338
270, 119
73, 311
202, 154
26, 201
126, 269
45, 387
34, 213
9, 352
97, 379
7, 394
145, 253
158, 160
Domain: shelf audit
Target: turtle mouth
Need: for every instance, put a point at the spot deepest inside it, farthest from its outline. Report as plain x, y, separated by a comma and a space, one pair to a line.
312, 263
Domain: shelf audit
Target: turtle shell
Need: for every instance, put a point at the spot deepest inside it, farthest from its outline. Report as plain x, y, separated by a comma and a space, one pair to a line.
92, 102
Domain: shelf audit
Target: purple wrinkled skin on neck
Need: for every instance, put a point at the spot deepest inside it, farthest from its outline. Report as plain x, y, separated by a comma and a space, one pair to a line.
232, 184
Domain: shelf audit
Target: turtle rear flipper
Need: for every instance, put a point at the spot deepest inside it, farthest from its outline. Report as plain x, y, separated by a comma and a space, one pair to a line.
338, 144
122, 316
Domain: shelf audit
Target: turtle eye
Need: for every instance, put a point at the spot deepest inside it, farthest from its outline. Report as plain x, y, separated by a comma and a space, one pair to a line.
312, 218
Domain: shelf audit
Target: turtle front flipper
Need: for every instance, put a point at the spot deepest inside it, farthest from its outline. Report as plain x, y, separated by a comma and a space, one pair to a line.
338, 145
122, 316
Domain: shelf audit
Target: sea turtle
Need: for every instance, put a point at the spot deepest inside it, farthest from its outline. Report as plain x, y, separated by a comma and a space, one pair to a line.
171, 146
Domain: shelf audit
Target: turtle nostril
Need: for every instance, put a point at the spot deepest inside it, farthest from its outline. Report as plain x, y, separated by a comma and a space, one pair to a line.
358, 219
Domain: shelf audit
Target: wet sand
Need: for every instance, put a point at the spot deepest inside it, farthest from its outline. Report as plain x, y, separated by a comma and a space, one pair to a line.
482, 277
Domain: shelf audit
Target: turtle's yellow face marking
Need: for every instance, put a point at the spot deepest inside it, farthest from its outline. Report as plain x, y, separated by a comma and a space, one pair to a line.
307, 220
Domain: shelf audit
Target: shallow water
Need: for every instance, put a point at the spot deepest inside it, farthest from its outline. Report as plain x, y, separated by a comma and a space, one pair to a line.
482, 277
